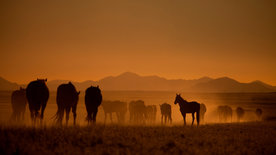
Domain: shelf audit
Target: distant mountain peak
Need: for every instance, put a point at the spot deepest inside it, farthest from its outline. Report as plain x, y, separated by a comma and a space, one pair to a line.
225, 78
128, 74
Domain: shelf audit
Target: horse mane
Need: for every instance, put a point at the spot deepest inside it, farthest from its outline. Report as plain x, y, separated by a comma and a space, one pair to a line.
183, 100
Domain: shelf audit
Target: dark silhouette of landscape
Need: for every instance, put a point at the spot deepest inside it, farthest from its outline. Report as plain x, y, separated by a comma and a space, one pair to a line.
129, 81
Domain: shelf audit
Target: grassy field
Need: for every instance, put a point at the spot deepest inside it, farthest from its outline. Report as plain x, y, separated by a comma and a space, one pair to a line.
239, 138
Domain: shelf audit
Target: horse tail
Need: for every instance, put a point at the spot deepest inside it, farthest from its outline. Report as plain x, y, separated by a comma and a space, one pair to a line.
58, 116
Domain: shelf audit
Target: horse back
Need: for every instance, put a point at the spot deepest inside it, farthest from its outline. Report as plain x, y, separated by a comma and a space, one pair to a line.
190, 107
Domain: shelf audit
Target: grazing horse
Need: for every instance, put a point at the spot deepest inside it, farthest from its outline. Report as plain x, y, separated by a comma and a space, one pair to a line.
259, 113
188, 107
166, 113
67, 98
93, 99
118, 107
19, 102
37, 94
137, 112
240, 113
225, 113
202, 112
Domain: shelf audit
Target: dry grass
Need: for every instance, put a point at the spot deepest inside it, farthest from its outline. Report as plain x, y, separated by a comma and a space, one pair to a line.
246, 138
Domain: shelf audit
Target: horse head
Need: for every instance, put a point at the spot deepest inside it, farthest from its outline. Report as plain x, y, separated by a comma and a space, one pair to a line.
42, 80
177, 99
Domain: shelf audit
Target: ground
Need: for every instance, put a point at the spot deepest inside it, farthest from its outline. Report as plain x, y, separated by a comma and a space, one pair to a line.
238, 138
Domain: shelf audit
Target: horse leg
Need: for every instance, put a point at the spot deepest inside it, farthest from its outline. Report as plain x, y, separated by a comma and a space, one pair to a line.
197, 118
74, 111
162, 119
42, 112
118, 116
184, 118
67, 115
95, 115
110, 115
193, 115
60, 116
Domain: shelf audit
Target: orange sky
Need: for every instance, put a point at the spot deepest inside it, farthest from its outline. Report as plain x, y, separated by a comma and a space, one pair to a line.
173, 39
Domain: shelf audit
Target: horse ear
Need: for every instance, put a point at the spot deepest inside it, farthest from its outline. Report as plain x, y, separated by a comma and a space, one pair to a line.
97, 86
78, 92
46, 80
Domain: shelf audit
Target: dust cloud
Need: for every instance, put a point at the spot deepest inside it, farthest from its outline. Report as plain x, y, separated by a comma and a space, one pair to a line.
249, 102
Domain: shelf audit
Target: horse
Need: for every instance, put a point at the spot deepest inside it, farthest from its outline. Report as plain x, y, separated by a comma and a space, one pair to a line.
37, 94
188, 107
240, 113
224, 113
93, 99
166, 113
67, 98
137, 112
118, 107
151, 113
202, 112
19, 102
259, 113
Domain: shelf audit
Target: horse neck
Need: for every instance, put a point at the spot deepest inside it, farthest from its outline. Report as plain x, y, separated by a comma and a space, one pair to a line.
182, 102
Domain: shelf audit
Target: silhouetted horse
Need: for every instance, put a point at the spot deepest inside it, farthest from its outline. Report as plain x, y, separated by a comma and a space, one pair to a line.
19, 102
137, 112
37, 94
118, 107
67, 98
188, 107
225, 113
151, 113
166, 113
93, 99
259, 113
240, 113
202, 112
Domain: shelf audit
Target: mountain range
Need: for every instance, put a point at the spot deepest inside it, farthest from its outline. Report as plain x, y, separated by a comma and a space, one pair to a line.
129, 81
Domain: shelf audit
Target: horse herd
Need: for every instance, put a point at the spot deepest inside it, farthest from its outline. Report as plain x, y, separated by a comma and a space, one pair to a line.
225, 113
37, 94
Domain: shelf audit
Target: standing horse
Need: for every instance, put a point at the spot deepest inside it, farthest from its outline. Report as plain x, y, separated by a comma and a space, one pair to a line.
93, 99
117, 107
19, 102
166, 113
151, 113
259, 113
188, 107
225, 113
67, 98
137, 112
240, 113
37, 94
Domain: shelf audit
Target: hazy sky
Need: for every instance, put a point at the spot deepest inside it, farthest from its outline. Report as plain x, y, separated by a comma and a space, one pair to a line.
81, 40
